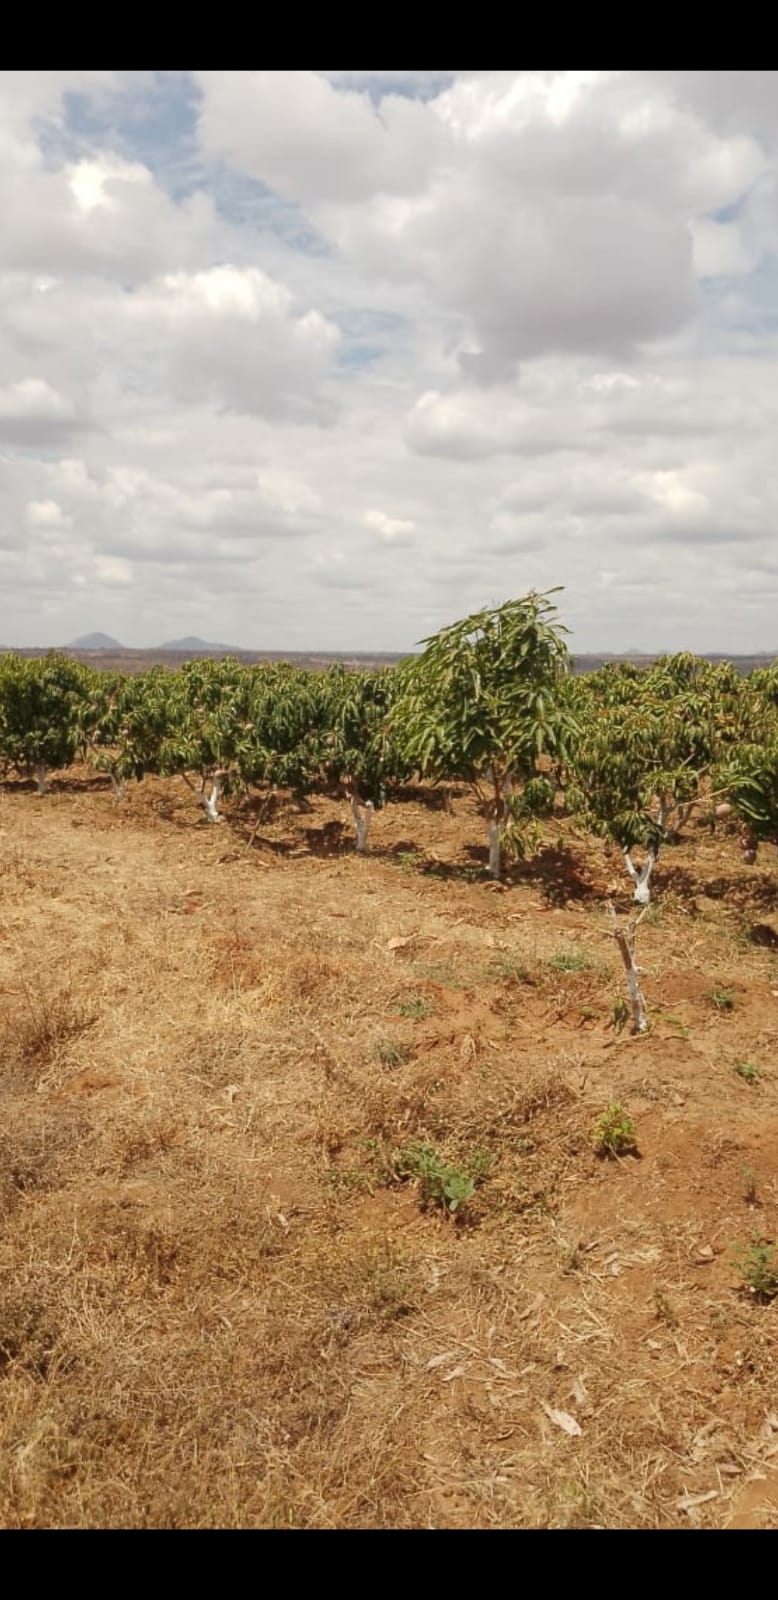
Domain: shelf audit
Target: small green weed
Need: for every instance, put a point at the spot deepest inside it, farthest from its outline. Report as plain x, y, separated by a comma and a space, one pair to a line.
619, 1014
409, 860
389, 1052
667, 1016
722, 999
570, 961
508, 968
416, 1007
437, 972
747, 1070
614, 1133
757, 1263
587, 1013
664, 1310
441, 1184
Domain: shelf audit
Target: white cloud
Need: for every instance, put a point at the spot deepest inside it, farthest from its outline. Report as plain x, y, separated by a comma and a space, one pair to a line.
113, 571
394, 530
521, 325
231, 335
46, 514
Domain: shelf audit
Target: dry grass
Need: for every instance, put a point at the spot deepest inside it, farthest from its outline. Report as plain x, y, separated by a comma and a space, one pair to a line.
218, 1304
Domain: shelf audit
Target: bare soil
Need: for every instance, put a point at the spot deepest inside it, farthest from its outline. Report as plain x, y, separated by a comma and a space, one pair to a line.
217, 1305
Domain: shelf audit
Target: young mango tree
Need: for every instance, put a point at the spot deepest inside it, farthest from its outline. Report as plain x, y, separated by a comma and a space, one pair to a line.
101, 718
749, 778
40, 699
134, 728
481, 704
213, 728
362, 752
286, 746
639, 765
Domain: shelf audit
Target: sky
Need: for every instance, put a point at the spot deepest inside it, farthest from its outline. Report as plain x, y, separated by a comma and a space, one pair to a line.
325, 360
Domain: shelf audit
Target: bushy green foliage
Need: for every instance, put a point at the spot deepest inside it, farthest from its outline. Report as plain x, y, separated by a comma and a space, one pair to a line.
482, 702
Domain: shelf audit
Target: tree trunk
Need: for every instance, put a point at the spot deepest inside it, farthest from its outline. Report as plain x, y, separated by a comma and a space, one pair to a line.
41, 785
363, 816
641, 879
503, 787
495, 848
210, 802
625, 941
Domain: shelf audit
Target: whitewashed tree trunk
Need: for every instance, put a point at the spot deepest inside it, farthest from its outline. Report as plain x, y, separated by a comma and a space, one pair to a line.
625, 942
119, 788
210, 802
494, 834
40, 778
362, 812
641, 879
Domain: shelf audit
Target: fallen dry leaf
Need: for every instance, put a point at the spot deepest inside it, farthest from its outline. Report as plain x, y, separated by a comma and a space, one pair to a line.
688, 1502
397, 944
535, 1306
563, 1420
437, 1361
457, 1372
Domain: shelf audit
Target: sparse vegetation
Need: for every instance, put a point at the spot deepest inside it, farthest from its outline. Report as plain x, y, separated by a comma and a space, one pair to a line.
440, 1182
415, 1007
390, 1052
747, 1070
228, 1169
758, 1266
508, 968
570, 961
722, 999
614, 1132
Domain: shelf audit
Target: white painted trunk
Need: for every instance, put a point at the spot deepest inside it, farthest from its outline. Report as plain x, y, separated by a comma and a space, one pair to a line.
641, 879
363, 816
119, 789
625, 940
494, 833
210, 803
40, 779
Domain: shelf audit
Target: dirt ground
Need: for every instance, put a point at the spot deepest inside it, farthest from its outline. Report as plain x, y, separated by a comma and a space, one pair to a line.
222, 1305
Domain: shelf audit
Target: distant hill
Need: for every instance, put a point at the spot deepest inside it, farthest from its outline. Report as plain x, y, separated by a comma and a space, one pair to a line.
95, 641
193, 643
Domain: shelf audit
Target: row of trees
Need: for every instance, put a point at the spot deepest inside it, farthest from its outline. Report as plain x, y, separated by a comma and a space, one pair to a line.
489, 702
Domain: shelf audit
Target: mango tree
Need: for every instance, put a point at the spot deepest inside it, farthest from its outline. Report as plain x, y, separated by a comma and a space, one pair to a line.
643, 755
481, 704
286, 745
749, 777
39, 709
362, 752
133, 728
211, 728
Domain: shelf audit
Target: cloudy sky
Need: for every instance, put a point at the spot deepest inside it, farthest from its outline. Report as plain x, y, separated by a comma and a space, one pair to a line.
329, 359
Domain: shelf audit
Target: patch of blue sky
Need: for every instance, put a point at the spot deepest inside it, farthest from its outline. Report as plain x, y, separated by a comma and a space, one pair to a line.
150, 118
358, 357
247, 203
367, 333
746, 307
411, 85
